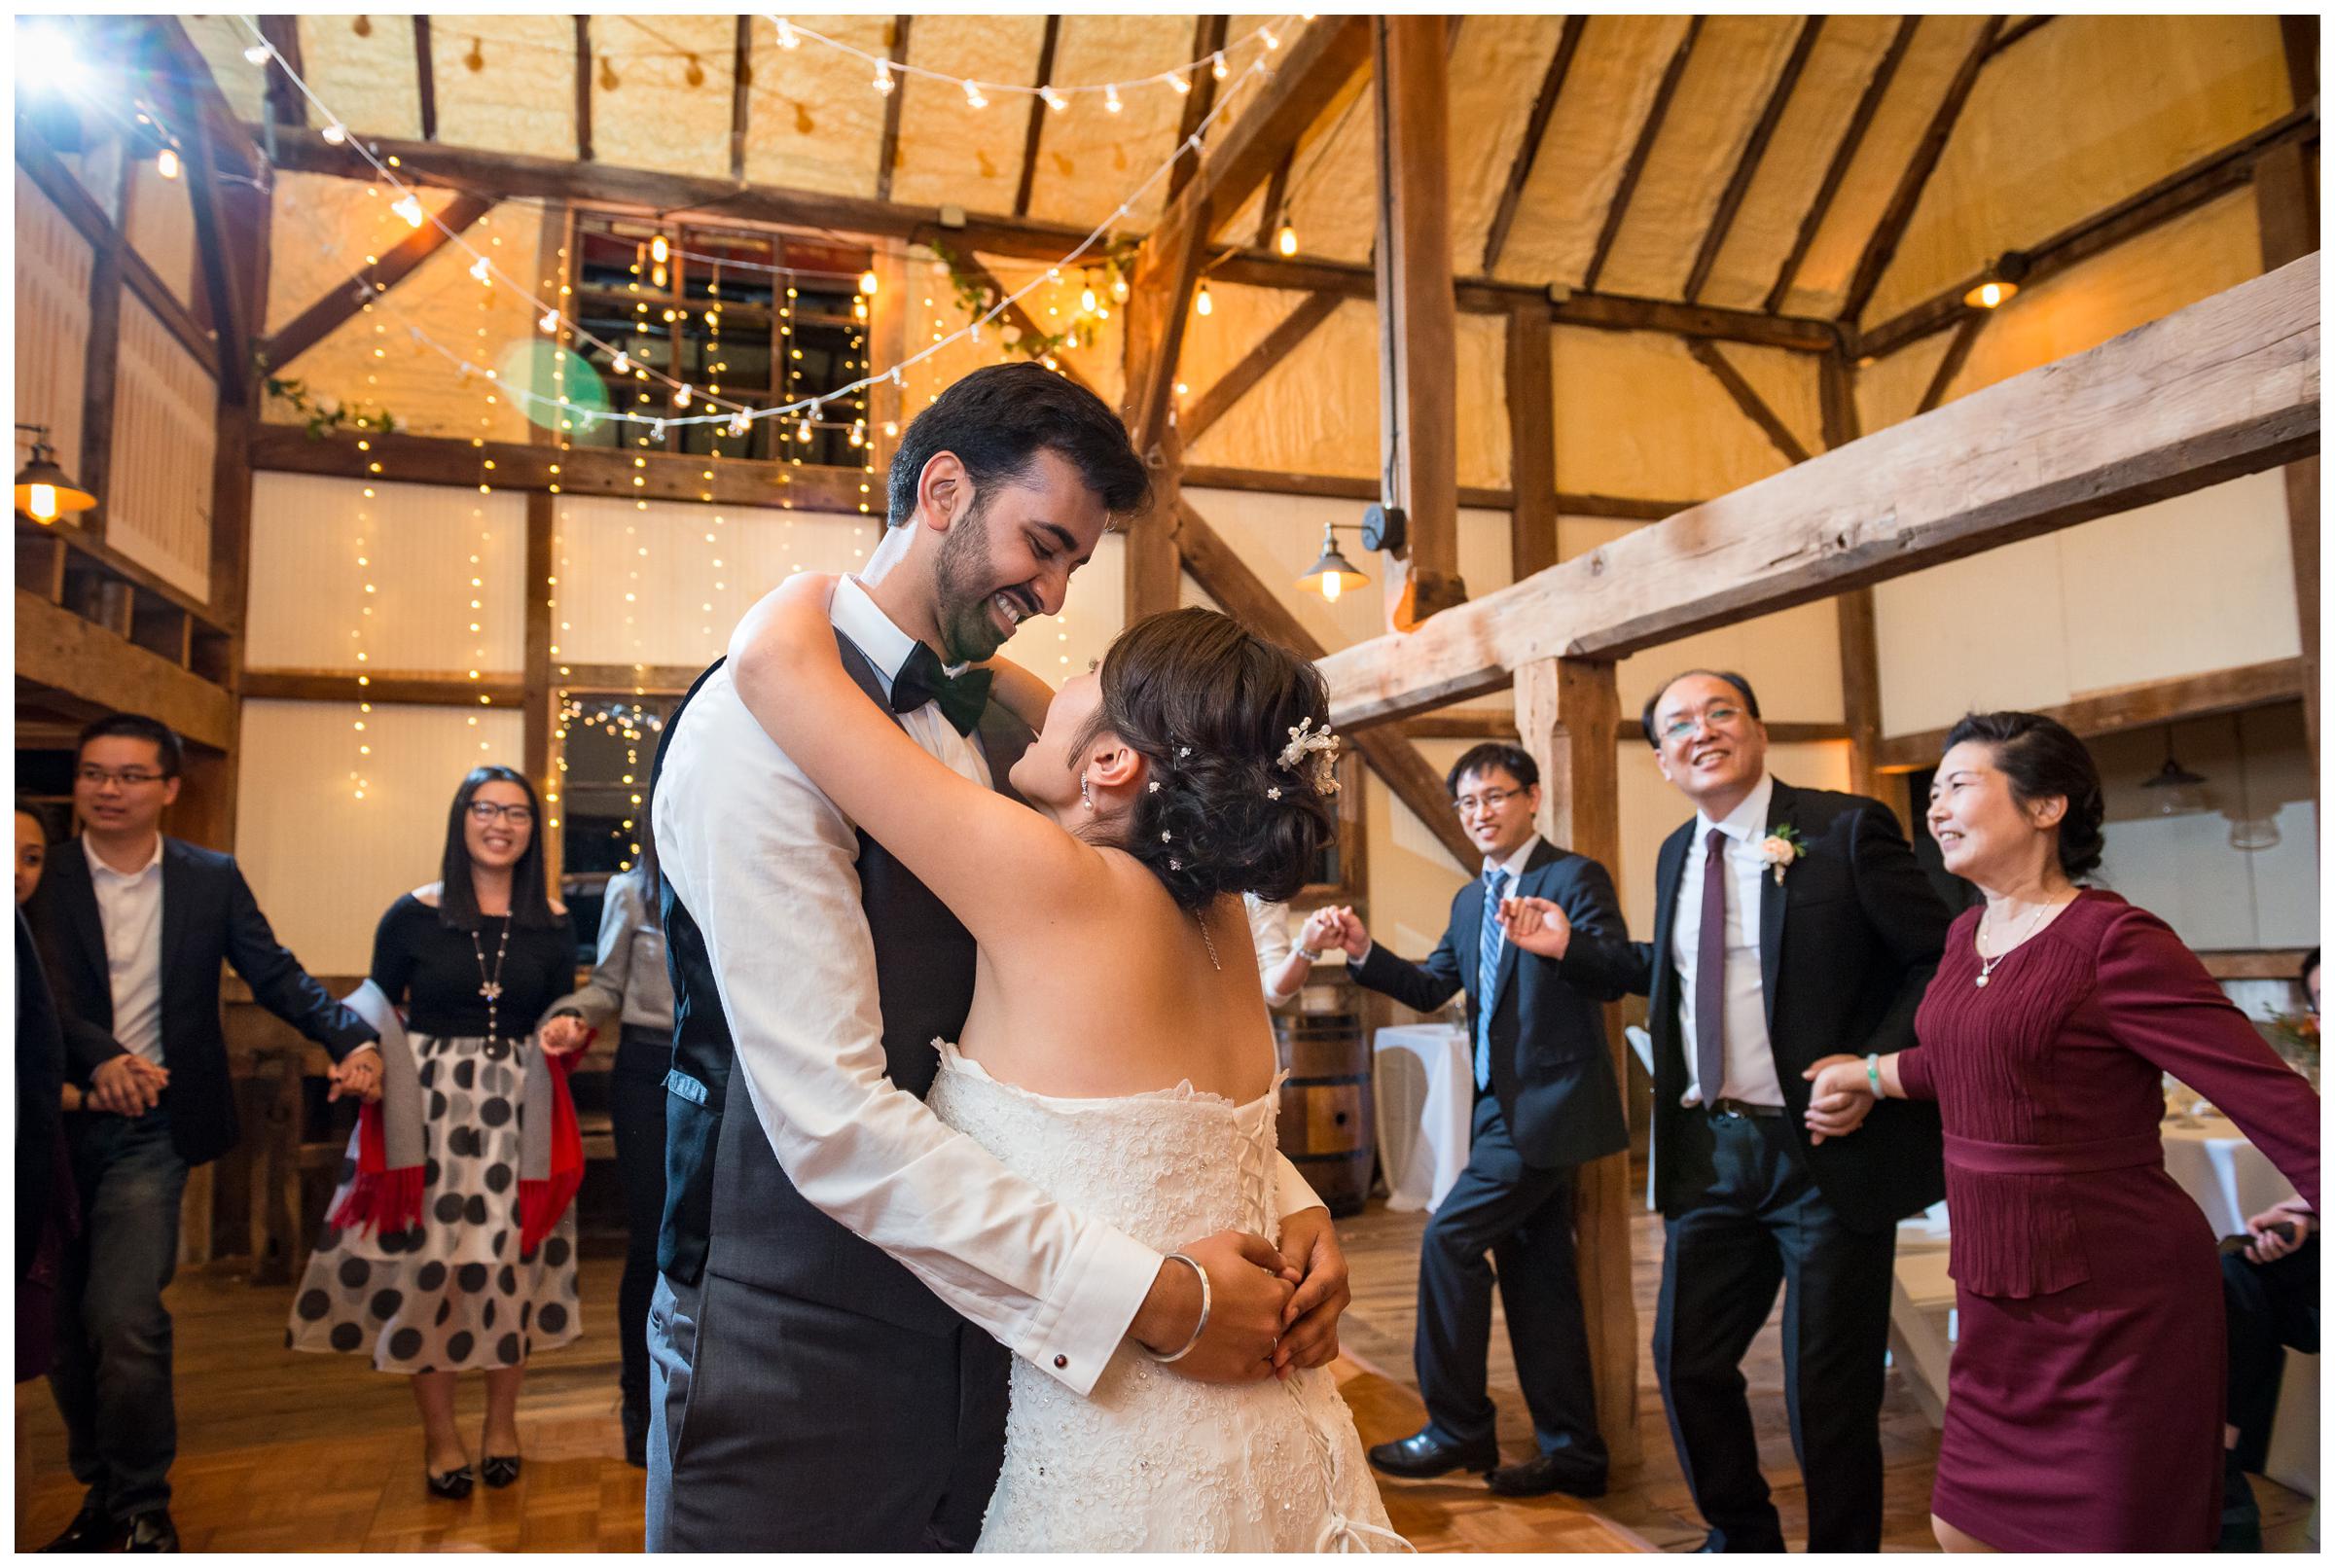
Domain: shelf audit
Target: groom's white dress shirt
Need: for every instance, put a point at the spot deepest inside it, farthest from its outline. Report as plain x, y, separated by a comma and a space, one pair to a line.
768, 867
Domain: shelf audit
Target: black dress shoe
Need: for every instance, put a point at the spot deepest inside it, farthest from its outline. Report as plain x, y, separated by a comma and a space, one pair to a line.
453, 1485
151, 1531
500, 1471
1716, 1542
1422, 1454
1543, 1473
93, 1530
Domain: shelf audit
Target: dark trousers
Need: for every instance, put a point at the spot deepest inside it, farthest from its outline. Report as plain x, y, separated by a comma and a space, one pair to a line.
112, 1374
1757, 1221
2273, 1308
778, 1424
1523, 1216
636, 1115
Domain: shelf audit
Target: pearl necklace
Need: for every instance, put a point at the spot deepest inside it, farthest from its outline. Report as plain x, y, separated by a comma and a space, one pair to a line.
1986, 965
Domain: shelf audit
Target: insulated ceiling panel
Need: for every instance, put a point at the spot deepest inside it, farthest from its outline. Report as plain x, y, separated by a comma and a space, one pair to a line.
509, 82
670, 109
814, 120
1090, 158
360, 69
949, 151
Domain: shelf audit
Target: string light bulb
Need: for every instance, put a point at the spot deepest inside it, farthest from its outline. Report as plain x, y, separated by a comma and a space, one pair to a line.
1216, 67
788, 38
1110, 98
883, 76
1287, 240
973, 97
869, 282
408, 207
1270, 41
336, 133
1054, 100
256, 55
1085, 301
622, 364
1181, 83
478, 271
681, 394
1204, 304
165, 164
1118, 287
802, 431
549, 321
659, 250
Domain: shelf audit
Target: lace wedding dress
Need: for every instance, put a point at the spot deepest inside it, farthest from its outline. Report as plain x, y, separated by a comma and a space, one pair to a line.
1152, 1461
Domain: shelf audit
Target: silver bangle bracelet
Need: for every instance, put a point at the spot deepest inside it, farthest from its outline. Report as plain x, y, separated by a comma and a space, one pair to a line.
1873, 1073
1198, 1329
1308, 954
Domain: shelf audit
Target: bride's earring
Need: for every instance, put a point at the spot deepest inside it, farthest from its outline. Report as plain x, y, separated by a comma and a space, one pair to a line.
1084, 793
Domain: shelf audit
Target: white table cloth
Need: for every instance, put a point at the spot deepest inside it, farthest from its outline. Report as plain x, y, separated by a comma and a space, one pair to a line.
1425, 1093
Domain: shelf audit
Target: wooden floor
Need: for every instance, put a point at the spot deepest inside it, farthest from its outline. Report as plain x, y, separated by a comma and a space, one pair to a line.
284, 1452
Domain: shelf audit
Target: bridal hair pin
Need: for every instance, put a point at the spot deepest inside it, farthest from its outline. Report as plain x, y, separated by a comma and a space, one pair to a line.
1312, 754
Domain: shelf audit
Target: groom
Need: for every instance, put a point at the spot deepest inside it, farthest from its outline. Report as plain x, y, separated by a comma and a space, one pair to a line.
843, 1277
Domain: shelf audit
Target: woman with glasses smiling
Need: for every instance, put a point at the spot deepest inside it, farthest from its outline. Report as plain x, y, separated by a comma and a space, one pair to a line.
448, 1246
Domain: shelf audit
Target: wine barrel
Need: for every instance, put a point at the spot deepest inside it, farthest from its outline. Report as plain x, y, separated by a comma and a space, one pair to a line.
1326, 1121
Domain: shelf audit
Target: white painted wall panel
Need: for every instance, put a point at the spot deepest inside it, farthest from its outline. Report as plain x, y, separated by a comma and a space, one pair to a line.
307, 589
325, 865
165, 426
52, 323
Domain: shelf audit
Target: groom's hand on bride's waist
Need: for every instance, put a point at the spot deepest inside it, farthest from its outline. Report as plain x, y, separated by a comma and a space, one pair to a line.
1248, 1288
1310, 1331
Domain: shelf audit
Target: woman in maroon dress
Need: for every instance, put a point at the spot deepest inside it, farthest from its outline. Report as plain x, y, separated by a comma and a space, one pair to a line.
2084, 1406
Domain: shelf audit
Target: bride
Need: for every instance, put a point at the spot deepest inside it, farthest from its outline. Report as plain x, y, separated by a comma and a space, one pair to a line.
1118, 1052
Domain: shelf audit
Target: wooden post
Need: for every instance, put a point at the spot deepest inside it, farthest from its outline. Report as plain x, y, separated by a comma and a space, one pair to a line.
1419, 316
1568, 711
1861, 657
1531, 443
2287, 205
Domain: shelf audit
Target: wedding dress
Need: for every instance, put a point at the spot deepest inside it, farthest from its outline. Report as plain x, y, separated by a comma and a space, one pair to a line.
1152, 1461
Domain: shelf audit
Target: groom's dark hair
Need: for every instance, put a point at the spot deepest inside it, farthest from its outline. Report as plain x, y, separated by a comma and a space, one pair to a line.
997, 419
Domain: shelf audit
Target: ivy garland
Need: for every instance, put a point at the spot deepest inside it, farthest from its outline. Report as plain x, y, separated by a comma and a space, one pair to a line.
977, 297
322, 415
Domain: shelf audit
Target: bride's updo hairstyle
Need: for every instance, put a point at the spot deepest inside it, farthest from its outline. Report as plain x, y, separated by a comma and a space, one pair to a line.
1212, 706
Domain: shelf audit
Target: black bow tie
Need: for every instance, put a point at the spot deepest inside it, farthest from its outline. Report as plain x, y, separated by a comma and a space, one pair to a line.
921, 680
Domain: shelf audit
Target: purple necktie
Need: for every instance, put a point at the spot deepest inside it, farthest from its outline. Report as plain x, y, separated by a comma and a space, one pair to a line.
1710, 971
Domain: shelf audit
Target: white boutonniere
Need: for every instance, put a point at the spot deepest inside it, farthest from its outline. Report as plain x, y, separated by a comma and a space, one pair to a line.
1782, 848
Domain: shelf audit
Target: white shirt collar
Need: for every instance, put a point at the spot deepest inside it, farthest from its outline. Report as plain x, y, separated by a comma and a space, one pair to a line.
97, 866
1748, 821
1513, 865
861, 619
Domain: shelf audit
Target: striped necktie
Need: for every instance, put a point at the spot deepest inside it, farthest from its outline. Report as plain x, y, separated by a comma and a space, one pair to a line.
1488, 971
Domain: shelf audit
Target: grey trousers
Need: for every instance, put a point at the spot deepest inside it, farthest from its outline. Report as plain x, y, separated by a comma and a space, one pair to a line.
780, 1424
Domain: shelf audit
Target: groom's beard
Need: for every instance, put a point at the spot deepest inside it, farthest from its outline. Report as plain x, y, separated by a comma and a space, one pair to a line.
961, 585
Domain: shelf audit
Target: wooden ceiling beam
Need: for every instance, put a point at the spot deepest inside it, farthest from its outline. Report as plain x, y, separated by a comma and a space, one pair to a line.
1037, 116
1898, 215
1208, 37
741, 91
1275, 345
219, 242
57, 649
406, 459
1227, 578
2143, 707
285, 105
1957, 355
972, 267
2181, 191
2226, 387
1852, 137
1536, 127
888, 150
1649, 134
1358, 488
1276, 196
583, 90
2016, 31
1739, 184
425, 77
318, 321
1747, 398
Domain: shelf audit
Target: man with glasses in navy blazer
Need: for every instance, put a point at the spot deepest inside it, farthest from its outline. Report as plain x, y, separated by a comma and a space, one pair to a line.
1547, 1101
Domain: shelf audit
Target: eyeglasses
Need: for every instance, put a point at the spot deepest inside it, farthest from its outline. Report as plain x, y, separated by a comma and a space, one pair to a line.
126, 777
484, 813
1720, 717
1490, 800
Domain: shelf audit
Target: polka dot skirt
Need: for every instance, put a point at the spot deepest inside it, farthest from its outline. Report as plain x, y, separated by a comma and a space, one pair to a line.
456, 1293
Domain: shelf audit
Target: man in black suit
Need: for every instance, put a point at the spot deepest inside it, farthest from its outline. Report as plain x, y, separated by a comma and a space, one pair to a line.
1791, 928
135, 926
1546, 1101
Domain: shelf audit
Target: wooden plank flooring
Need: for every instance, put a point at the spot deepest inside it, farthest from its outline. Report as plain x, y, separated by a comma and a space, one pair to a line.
280, 1452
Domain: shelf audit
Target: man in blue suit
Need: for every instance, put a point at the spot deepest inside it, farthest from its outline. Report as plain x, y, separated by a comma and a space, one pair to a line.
1546, 1101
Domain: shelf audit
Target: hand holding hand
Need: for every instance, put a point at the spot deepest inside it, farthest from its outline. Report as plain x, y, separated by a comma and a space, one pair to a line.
2269, 1245
1536, 925
1249, 1287
1309, 1331
1323, 929
1840, 1099
127, 1085
1352, 936
564, 1035
358, 1074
